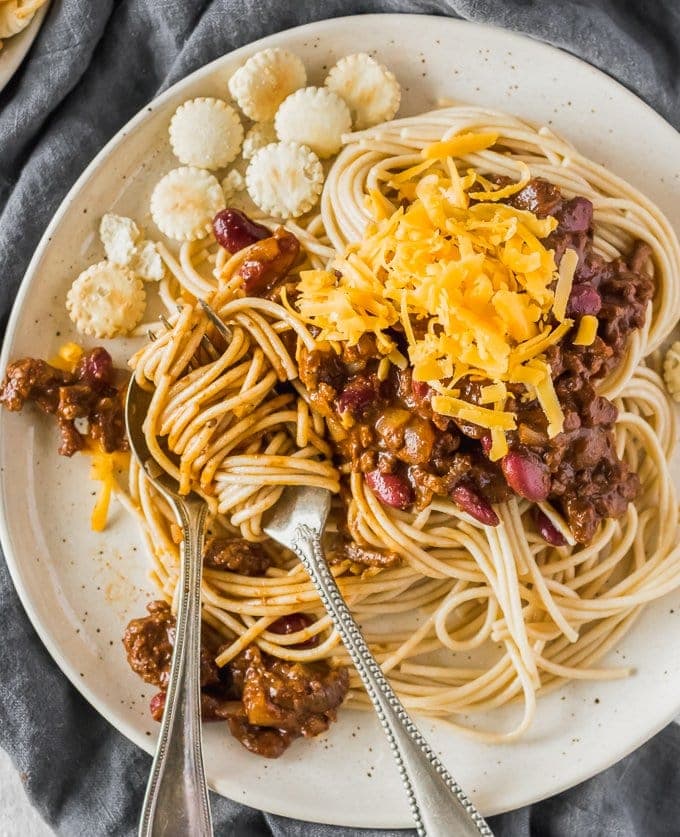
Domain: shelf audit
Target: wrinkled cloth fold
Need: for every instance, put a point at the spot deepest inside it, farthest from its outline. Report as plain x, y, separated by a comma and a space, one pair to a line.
92, 67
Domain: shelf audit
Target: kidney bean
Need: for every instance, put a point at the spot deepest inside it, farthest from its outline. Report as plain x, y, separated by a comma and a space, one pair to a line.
95, 368
526, 475
583, 299
485, 442
157, 706
420, 389
576, 215
391, 489
234, 230
470, 501
547, 530
291, 624
359, 394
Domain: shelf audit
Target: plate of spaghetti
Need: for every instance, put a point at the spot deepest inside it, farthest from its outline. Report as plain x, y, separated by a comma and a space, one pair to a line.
450, 284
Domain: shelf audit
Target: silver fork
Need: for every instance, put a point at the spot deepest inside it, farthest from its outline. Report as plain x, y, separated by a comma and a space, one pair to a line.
439, 806
176, 802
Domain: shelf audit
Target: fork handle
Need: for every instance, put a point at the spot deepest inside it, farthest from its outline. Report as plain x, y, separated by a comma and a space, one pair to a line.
439, 806
176, 802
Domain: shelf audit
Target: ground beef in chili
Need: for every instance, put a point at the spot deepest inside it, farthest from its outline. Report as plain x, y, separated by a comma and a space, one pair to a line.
149, 641
267, 702
388, 431
88, 393
237, 556
283, 701
370, 557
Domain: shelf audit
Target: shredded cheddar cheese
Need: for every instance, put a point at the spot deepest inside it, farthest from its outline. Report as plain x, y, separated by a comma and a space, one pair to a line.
458, 408
104, 467
499, 444
67, 357
492, 393
492, 193
587, 331
458, 146
383, 369
468, 280
563, 289
547, 398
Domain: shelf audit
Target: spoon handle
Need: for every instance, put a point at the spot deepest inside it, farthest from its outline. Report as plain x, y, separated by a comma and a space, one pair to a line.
439, 805
176, 802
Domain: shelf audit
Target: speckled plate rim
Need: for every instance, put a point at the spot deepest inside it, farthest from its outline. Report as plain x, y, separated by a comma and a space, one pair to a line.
350, 817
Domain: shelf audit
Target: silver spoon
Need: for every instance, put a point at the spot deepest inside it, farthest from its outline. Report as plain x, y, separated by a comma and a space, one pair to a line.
439, 806
176, 802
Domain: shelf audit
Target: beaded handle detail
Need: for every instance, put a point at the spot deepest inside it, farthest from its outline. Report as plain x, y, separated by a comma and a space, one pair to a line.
439, 805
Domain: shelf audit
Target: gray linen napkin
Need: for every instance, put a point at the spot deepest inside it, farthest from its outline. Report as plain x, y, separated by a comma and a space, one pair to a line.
94, 64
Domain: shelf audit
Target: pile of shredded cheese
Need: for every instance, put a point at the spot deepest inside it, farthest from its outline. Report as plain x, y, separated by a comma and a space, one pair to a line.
469, 281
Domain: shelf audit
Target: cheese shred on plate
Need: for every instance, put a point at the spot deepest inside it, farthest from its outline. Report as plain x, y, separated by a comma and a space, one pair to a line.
104, 468
467, 279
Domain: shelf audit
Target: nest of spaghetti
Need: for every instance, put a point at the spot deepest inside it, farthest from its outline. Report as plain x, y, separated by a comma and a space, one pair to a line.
455, 348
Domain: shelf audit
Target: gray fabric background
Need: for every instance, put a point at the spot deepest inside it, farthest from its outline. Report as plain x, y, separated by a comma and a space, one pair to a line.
94, 64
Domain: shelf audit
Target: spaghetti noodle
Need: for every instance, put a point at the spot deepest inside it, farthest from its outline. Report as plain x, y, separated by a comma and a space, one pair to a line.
241, 426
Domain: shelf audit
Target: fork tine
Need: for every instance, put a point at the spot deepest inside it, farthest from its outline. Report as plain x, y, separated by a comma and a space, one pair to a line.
212, 351
210, 347
222, 329
194, 363
206, 342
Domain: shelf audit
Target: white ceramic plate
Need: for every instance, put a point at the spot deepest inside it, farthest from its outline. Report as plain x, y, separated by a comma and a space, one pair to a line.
80, 588
16, 47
